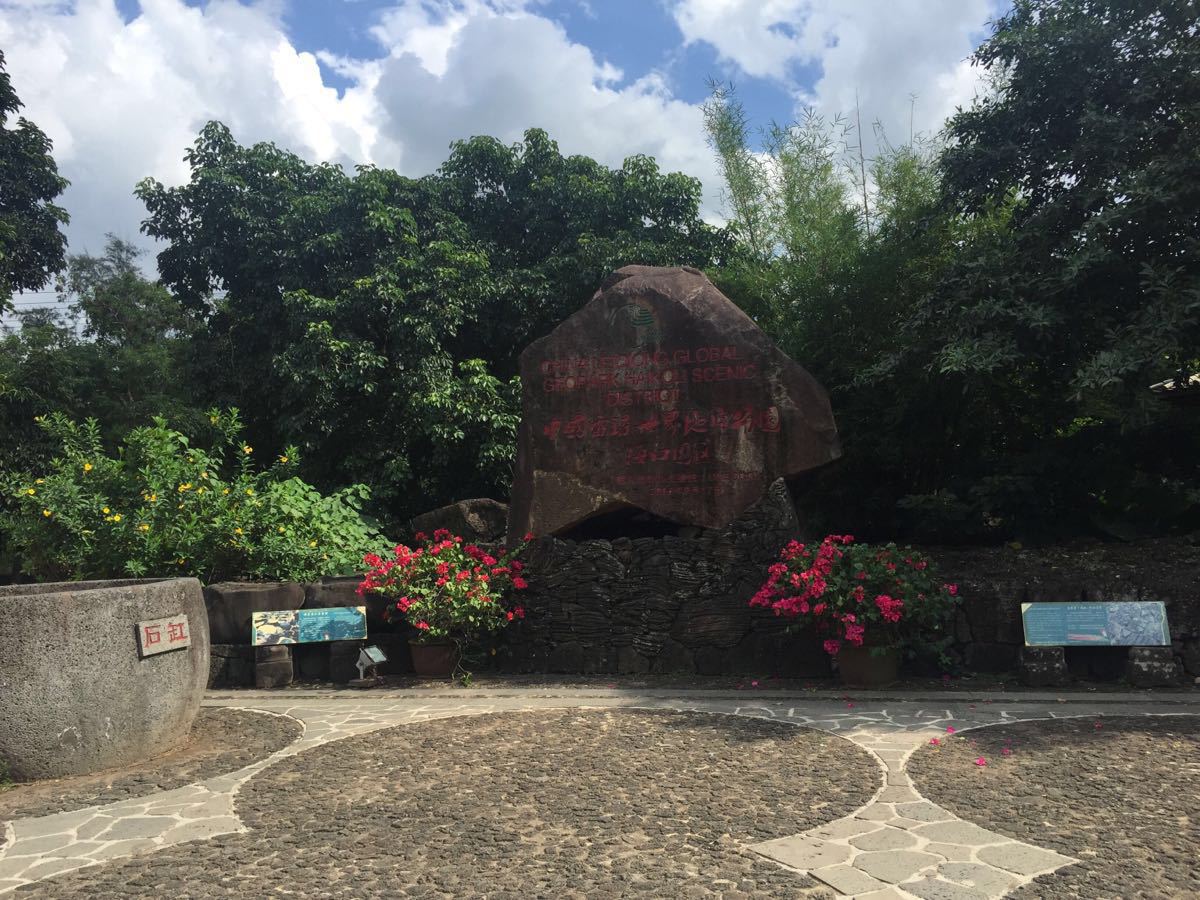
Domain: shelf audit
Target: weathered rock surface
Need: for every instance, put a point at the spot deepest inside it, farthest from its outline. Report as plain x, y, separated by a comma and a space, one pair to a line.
660, 395
232, 604
476, 520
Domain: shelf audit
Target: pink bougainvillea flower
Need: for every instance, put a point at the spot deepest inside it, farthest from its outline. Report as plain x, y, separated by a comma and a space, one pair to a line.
937, 742
950, 729
832, 647
980, 761
849, 706
754, 684
1007, 751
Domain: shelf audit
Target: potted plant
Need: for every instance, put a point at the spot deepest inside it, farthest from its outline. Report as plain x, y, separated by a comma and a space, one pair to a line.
871, 603
449, 592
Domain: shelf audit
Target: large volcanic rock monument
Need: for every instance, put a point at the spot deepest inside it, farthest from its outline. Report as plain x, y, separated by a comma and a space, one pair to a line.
660, 395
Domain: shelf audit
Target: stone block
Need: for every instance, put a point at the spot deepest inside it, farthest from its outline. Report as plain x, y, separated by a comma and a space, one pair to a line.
232, 604
1153, 667
474, 520
273, 666
230, 666
342, 591
310, 662
1043, 666
343, 656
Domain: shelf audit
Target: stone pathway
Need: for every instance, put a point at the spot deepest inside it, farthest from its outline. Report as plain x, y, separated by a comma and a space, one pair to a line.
899, 845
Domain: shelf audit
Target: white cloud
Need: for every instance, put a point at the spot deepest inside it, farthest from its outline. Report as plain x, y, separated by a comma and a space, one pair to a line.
123, 100
876, 53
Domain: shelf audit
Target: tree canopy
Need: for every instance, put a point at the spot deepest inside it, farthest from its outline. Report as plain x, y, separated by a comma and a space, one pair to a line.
31, 243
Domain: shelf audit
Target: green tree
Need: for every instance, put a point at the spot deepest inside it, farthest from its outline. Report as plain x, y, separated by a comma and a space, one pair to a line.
129, 360
31, 244
1087, 144
375, 320
1093, 133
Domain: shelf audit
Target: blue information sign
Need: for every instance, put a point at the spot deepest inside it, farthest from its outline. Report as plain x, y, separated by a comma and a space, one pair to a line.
1116, 624
306, 626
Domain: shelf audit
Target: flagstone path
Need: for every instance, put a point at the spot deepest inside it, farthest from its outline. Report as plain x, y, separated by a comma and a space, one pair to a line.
896, 844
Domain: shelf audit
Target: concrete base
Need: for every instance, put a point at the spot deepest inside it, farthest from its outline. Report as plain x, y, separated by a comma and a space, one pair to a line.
1153, 667
273, 666
1043, 666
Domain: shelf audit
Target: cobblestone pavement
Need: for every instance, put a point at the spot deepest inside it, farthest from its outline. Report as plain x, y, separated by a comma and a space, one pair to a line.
222, 740
1121, 794
897, 844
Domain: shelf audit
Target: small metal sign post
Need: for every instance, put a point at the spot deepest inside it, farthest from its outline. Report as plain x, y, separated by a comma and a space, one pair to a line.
368, 658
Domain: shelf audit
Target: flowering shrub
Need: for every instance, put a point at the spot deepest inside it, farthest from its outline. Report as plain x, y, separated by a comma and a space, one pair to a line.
447, 589
859, 594
165, 506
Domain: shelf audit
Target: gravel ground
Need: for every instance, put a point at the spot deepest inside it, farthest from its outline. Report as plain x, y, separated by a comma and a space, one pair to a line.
1120, 794
554, 804
222, 740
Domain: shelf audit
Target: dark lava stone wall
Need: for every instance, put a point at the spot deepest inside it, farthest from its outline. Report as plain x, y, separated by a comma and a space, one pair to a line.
679, 604
995, 581
676, 603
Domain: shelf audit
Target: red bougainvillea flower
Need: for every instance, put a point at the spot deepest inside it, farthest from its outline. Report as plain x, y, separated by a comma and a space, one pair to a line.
829, 587
443, 592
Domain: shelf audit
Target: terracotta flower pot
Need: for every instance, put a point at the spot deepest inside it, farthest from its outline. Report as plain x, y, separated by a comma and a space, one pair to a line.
859, 666
434, 660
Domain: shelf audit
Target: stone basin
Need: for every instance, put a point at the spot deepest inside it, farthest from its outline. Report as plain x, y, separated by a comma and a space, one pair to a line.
75, 695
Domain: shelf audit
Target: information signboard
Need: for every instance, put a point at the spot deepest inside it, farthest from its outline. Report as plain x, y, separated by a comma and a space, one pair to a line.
306, 626
1115, 624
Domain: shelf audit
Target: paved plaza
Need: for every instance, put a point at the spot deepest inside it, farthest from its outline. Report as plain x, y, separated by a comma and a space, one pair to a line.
581, 792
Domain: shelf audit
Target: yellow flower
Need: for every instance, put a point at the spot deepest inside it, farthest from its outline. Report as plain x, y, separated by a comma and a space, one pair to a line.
283, 459
247, 449
143, 527
30, 491
116, 517
87, 467
180, 562
237, 531
185, 486
312, 543
201, 490
281, 529
213, 419
203, 474
40, 481
106, 510
249, 492
47, 513
226, 491
153, 498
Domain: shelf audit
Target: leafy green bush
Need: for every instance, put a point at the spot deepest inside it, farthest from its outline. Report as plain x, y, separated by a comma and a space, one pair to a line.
165, 507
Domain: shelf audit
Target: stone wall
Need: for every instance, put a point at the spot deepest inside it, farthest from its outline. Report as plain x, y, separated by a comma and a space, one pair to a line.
679, 604
235, 663
676, 603
75, 696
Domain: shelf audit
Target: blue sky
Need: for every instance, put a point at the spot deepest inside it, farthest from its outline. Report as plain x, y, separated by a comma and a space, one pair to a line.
123, 86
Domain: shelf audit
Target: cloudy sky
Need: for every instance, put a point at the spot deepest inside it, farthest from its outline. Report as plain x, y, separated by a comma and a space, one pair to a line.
123, 86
